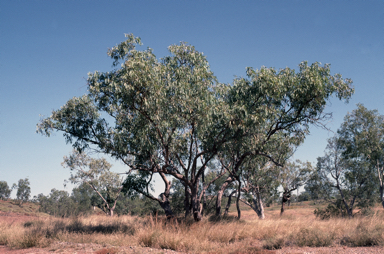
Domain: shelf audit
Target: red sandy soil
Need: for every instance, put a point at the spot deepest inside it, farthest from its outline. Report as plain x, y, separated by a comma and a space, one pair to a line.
67, 248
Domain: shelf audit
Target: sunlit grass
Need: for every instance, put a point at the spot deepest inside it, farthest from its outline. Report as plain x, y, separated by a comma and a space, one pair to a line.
297, 227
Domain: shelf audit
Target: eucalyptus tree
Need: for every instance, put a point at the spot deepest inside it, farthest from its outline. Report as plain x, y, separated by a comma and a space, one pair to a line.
351, 178
160, 111
96, 174
23, 192
5, 191
362, 136
292, 176
171, 117
260, 181
57, 203
271, 110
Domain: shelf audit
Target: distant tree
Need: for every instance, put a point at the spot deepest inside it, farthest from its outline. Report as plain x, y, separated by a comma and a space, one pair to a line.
23, 190
293, 175
85, 199
344, 182
57, 203
95, 173
362, 138
5, 191
261, 181
304, 196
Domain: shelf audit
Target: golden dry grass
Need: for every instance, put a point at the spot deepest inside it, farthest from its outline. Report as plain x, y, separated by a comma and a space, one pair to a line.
298, 227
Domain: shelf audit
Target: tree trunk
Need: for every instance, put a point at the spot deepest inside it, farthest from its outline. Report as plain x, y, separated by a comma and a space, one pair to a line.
164, 197
238, 206
166, 205
381, 195
238, 201
282, 208
380, 175
220, 195
111, 212
228, 203
204, 207
195, 205
349, 211
218, 201
259, 207
187, 203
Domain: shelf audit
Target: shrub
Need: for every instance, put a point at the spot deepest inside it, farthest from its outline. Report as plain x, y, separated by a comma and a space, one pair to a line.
313, 237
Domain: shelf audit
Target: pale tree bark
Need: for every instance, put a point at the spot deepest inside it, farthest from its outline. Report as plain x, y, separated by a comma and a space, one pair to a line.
220, 195
110, 210
380, 173
256, 205
259, 206
163, 199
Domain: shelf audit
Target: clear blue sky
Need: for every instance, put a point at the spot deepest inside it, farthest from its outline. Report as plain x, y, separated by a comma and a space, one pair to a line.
48, 47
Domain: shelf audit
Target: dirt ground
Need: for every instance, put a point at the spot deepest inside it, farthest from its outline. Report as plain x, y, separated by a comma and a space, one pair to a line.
66, 248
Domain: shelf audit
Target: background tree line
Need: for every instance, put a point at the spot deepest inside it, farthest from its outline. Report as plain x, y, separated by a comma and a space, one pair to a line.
23, 190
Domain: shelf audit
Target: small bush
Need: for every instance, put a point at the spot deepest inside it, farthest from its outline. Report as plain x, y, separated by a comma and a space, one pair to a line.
34, 223
274, 243
331, 211
364, 236
149, 239
313, 238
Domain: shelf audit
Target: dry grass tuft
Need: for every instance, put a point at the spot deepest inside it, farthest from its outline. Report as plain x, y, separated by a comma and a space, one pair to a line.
296, 228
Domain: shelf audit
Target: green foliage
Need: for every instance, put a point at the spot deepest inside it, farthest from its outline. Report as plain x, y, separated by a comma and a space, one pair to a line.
97, 175
23, 190
348, 171
260, 180
57, 203
362, 137
84, 198
5, 191
177, 197
335, 209
304, 196
137, 183
295, 174
162, 116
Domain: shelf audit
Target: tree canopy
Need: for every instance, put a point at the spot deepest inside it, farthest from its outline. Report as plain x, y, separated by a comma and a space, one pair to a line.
5, 191
172, 117
23, 190
97, 175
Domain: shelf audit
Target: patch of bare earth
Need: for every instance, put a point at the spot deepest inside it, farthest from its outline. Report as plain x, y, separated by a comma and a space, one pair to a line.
85, 248
77, 248
336, 250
